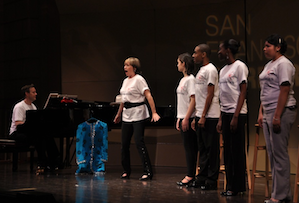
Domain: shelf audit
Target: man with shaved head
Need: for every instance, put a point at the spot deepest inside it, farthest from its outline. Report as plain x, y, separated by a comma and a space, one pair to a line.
207, 115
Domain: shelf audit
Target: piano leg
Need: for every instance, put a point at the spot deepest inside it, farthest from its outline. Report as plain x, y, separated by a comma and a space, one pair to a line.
67, 152
61, 148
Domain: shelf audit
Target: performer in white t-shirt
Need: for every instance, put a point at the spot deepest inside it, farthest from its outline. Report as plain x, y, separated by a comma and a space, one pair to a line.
134, 113
185, 114
277, 114
207, 115
232, 88
47, 152
19, 114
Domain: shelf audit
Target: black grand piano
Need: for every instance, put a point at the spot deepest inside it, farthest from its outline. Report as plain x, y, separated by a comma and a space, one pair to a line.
63, 113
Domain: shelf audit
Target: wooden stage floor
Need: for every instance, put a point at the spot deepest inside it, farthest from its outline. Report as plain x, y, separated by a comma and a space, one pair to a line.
65, 187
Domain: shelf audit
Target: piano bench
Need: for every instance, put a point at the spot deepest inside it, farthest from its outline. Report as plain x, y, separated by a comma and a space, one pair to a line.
11, 146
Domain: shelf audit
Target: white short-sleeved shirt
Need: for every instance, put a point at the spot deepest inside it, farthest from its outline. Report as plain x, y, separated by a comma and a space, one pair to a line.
185, 90
207, 74
274, 74
230, 78
19, 114
132, 90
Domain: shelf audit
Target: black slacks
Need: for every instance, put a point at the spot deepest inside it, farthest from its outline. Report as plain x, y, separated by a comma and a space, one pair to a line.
47, 151
208, 147
128, 130
234, 153
190, 146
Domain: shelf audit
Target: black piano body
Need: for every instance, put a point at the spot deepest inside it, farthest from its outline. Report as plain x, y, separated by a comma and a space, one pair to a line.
61, 120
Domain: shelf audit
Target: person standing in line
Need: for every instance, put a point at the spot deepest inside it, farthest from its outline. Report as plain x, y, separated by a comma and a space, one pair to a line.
277, 114
134, 113
185, 114
232, 88
207, 115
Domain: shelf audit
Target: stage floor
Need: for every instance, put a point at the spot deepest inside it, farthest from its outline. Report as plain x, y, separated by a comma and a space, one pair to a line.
65, 187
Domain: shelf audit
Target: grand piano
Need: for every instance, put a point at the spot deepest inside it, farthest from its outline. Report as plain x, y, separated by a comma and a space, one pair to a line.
63, 113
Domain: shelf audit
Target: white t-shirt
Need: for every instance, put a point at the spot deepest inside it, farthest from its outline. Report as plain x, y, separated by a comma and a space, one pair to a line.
185, 90
274, 74
230, 78
207, 74
132, 90
19, 114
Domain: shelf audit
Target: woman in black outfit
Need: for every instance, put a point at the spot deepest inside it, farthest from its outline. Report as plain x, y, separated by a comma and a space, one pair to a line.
232, 89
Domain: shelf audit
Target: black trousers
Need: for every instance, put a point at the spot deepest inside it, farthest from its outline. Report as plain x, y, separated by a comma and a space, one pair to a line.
234, 153
47, 151
208, 147
190, 146
128, 130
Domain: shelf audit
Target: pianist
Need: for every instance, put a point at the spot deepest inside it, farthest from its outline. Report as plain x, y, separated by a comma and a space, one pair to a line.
43, 144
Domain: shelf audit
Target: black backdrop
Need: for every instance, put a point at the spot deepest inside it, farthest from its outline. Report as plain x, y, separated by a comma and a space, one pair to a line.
78, 47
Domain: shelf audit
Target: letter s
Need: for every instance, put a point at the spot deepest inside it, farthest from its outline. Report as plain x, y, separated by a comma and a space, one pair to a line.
208, 19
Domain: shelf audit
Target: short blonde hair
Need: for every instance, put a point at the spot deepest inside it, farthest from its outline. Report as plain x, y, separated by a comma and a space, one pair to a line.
134, 62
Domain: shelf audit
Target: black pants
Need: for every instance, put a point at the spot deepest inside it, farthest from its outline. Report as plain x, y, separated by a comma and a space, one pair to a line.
234, 153
190, 146
128, 130
47, 152
208, 147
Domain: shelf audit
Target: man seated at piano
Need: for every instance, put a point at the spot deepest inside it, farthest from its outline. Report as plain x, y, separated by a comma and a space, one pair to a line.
47, 152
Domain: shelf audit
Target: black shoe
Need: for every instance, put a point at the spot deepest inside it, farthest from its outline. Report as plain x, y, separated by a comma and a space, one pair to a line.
196, 183
40, 170
209, 187
287, 201
149, 176
51, 168
125, 175
187, 184
268, 201
228, 193
279, 201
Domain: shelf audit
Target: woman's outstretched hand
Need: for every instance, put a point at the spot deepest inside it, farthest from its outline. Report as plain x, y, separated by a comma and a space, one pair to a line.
155, 117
